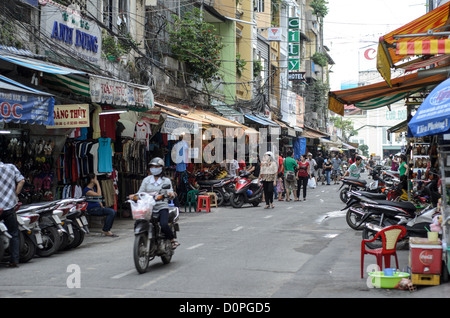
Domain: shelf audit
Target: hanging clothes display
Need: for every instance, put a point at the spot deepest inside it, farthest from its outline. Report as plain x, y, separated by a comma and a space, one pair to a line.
104, 155
143, 132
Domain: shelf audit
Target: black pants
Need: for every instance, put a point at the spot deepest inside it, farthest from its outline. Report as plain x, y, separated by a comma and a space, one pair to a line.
268, 191
10, 219
164, 222
302, 181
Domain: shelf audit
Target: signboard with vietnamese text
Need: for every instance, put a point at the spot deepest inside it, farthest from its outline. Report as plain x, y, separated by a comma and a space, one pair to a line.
70, 116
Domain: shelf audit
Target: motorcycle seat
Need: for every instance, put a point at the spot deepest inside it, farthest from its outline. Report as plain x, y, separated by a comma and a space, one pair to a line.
408, 206
375, 196
354, 180
211, 182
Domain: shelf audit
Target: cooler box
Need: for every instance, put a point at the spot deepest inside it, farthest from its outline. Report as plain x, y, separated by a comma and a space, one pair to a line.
425, 257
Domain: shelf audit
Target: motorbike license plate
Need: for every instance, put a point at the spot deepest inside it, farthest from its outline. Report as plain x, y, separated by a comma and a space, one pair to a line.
39, 238
84, 220
57, 219
69, 226
80, 224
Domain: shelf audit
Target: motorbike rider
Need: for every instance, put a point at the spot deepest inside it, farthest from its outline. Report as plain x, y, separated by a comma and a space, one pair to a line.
11, 183
154, 183
355, 168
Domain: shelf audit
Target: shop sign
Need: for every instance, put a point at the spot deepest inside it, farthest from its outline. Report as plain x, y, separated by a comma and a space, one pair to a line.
274, 34
294, 44
71, 116
18, 107
119, 93
68, 28
172, 123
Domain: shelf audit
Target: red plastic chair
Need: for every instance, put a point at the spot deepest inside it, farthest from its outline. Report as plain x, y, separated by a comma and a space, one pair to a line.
390, 236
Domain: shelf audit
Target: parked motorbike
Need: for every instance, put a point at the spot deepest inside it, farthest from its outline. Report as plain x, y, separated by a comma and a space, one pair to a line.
149, 240
50, 224
30, 238
355, 210
246, 191
4, 238
376, 186
72, 221
222, 188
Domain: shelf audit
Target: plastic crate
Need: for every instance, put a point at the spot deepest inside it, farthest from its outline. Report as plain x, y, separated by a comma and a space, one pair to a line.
423, 279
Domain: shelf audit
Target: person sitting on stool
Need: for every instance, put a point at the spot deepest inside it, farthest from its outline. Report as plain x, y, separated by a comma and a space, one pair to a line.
96, 208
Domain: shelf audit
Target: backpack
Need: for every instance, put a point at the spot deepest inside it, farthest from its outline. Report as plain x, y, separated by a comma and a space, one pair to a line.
290, 175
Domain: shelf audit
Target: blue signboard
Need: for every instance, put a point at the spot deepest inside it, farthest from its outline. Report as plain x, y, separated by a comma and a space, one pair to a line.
20, 104
432, 117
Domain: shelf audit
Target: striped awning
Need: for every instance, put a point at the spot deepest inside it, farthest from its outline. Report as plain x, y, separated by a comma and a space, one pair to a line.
381, 94
39, 65
425, 47
387, 55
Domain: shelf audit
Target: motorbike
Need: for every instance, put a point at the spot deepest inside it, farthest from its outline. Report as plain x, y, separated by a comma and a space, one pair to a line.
50, 224
417, 224
30, 237
77, 214
4, 238
72, 221
355, 210
376, 186
149, 240
221, 187
246, 191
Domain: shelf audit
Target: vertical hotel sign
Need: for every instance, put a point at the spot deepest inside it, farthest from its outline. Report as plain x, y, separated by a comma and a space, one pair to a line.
294, 44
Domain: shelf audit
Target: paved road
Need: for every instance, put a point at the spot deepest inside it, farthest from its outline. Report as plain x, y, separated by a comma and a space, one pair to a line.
299, 249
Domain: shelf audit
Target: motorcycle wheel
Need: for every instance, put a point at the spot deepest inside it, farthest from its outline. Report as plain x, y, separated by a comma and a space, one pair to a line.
77, 240
166, 258
343, 194
140, 253
52, 241
220, 198
353, 219
27, 249
65, 241
237, 200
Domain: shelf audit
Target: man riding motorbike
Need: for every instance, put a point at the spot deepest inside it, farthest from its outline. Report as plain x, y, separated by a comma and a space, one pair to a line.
154, 183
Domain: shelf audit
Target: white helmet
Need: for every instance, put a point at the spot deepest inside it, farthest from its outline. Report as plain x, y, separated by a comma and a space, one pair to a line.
156, 162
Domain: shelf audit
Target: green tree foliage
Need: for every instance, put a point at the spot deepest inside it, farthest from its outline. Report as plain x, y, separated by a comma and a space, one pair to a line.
194, 42
319, 7
346, 126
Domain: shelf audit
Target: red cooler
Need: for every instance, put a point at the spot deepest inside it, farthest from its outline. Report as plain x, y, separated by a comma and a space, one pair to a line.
425, 257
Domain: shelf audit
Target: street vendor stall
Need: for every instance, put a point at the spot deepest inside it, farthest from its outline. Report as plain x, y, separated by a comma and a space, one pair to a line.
432, 119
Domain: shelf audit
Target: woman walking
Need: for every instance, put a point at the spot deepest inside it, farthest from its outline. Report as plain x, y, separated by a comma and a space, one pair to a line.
304, 173
268, 176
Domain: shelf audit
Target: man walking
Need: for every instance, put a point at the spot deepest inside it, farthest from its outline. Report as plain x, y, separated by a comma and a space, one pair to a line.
11, 183
290, 178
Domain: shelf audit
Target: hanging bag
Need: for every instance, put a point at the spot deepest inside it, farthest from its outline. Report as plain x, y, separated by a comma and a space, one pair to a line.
312, 183
143, 206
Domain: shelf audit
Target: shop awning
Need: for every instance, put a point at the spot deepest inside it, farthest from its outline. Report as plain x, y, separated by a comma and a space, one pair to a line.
347, 146
418, 30
381, 94
400, 127
39, 65
230, 113
261, 120
313, 133
25, 105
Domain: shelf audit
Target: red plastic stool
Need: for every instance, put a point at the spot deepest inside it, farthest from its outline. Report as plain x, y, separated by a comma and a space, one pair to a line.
203, 203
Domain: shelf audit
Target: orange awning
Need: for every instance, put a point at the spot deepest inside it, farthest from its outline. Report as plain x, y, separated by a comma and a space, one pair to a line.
381, 94
387, 55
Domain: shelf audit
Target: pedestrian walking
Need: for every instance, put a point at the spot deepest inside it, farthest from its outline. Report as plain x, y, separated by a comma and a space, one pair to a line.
268, 176
11, 183
327, 166
336, 162
290, 180
303, 175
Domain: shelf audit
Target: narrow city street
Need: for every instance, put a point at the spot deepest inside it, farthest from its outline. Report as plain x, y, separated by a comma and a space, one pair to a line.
296, 250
